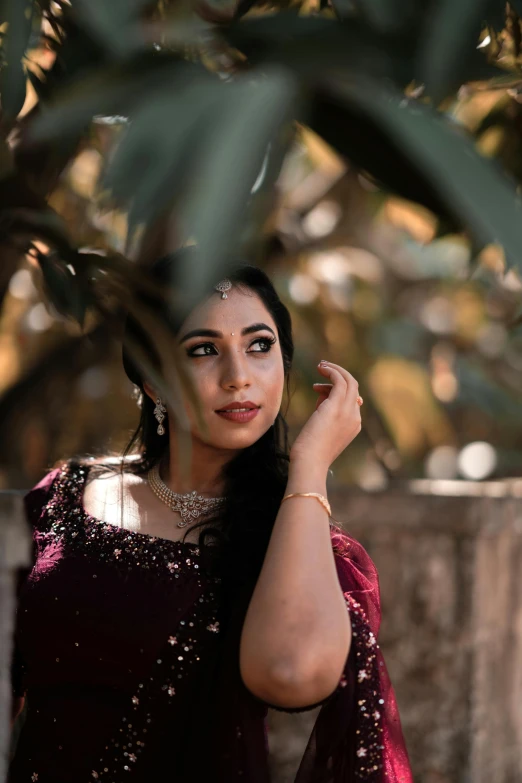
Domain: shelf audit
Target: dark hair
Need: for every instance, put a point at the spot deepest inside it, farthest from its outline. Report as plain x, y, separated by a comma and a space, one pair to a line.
255, 480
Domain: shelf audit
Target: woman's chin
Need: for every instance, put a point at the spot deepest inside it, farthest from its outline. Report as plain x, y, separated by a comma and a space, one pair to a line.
242, 438
236, 443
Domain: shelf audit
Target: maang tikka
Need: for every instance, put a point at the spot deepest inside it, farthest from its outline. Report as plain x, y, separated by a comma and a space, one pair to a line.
222, 287
159, 412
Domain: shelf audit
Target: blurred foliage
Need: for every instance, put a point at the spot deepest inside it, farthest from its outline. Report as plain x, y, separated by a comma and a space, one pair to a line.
367, 152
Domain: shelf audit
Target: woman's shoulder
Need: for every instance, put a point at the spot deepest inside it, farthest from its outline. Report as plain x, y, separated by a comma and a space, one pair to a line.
59, 474
39, 495
63, 480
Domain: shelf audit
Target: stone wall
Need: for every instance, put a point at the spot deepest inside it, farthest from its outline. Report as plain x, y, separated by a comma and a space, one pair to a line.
449, 556
15, 552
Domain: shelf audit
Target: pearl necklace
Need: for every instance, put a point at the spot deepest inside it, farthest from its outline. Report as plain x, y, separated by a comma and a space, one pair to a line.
190, 506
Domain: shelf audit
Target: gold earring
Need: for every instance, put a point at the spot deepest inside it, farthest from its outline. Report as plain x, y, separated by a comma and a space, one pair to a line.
159, 412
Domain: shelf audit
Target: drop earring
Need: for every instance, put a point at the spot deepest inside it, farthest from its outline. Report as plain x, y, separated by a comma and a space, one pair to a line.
159, 412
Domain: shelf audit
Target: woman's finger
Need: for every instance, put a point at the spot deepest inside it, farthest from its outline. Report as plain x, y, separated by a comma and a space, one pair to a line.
339, 383
323, 390
351, 382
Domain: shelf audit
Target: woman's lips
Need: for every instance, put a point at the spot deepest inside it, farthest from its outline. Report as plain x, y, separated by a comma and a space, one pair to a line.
240, 416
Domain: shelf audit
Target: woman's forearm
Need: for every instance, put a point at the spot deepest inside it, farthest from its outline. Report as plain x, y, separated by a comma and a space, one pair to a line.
296, 635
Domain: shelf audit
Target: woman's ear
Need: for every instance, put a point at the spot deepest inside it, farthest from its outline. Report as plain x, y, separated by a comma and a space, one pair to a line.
149, 391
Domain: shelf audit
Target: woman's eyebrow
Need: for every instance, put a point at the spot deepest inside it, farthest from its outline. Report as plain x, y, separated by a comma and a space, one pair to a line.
213, 333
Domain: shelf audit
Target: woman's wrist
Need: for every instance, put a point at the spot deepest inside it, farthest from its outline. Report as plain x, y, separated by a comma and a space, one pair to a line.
306, 476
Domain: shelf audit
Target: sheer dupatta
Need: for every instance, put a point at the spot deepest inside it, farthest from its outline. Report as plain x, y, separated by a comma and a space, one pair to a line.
357, 735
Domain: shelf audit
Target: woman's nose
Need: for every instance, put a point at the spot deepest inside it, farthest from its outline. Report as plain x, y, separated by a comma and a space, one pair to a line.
235, 374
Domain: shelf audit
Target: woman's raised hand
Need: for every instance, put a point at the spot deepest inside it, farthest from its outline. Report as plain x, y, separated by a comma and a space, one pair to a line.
335, 422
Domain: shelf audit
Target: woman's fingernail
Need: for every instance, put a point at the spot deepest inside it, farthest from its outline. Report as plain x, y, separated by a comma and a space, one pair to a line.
322, 362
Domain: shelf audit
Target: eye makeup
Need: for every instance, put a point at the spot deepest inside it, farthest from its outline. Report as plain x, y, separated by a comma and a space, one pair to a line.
267, 341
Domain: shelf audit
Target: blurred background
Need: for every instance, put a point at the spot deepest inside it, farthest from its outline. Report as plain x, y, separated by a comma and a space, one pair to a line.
374, 282
367, 153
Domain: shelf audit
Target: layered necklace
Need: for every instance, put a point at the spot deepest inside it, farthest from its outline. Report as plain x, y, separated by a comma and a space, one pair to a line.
189, 506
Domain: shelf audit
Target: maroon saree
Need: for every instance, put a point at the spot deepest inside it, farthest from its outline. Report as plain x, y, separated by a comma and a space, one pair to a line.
130, 667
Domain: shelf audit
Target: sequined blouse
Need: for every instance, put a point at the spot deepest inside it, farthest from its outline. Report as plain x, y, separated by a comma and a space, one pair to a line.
111, 626
131, 671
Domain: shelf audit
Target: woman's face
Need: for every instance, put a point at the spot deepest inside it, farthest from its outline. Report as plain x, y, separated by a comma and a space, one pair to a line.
230, 348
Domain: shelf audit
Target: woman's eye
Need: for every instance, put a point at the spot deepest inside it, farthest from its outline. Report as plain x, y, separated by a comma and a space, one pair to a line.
205, 349
260, 345
265, 344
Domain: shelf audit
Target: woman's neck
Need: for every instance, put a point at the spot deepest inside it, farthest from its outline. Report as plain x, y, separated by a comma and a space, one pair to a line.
201, 470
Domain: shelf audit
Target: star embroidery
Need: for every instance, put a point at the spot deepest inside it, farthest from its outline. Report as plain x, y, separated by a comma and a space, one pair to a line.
173, 640
361, 753
363, 675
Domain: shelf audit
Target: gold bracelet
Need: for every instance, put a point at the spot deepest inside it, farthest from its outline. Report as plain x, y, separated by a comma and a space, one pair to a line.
321, 498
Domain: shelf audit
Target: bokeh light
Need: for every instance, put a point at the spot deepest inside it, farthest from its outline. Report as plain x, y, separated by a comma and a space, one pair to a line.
38, 319
21, 285
477, 460
442, 463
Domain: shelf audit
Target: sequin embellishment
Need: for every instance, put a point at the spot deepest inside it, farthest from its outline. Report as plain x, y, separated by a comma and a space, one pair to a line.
125, 549
369, 732
172, 667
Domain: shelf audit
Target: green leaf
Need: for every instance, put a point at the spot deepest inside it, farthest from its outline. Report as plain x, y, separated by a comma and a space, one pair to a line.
12, 77
243, 7
256, 112
313, 46
108, 91
149, 166
63, 288
385, 15
343, 8
474, 189
113, 23
496, 15
316, 47
30, 223
363, 140
450, 38
276, 29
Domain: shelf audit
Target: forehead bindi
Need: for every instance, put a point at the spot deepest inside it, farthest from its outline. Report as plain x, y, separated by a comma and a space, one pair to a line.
231, 315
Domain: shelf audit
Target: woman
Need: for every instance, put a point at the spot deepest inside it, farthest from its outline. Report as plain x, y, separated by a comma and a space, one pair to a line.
157, 626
